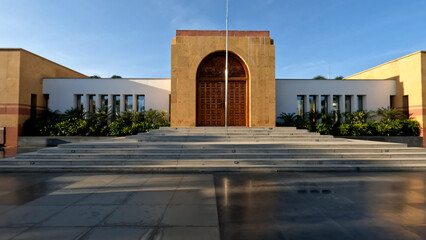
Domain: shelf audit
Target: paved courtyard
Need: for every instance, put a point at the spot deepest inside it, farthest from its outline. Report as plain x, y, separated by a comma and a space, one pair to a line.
105, 206
213, 206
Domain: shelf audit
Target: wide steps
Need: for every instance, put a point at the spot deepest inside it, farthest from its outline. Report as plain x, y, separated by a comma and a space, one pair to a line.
213, 168
343, 144
217, 162
222, 149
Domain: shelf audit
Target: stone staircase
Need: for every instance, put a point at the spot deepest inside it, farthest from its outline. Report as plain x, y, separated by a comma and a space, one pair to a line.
209, 149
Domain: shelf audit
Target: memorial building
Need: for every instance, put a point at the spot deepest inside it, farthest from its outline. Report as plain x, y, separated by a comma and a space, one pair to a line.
195, 93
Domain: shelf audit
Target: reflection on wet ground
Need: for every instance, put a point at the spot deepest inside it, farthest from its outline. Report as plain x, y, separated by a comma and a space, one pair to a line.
8, 152
322, 205
108, 206
249, 206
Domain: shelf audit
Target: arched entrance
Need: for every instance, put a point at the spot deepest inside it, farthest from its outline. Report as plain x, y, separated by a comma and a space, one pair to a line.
211, 91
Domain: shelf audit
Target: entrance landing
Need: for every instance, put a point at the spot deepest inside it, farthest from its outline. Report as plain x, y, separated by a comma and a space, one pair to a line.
213, 149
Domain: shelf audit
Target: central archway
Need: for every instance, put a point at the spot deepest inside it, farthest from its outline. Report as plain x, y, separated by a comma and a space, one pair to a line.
211, 91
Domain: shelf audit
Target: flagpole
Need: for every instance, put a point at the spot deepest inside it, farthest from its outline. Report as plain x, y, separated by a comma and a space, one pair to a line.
226, 66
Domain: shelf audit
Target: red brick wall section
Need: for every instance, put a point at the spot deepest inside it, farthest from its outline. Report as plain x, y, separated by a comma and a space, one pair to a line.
2, 136
11, 136
222, 33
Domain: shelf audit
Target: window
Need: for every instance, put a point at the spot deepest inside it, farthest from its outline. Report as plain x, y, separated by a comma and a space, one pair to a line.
79, 102
392, 101
324, 104
33, 105
116, 104
104, 102
348, 104
336, 103
405, 108
46, 100
360, 103
92, 103
141, 103
300, 105
128, 103
312, 103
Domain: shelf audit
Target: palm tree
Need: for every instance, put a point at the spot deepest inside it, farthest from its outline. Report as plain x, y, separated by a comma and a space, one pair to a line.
390, 113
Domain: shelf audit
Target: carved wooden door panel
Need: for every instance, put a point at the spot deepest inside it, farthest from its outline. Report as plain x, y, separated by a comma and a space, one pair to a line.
237, 103
211, 106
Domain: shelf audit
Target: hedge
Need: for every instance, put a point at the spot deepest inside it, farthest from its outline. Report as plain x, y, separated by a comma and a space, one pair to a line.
354, 124
101, 123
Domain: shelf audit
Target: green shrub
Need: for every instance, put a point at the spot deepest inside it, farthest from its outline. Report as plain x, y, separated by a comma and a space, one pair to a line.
356, 124
288, 119
101, 123
410, 127
390, 114
77, 127
324, 128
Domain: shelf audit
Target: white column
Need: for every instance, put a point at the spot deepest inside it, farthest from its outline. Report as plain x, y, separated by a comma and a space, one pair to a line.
342, 103
110, 102
98, 101
306, 103
86, 103
354, 103
330, 103
134, 102
121, 103
318, 103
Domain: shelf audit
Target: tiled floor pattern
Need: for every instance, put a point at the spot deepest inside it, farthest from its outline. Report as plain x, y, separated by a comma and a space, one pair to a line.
111, 207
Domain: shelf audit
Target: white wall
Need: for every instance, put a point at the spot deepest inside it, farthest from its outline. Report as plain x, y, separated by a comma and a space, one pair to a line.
62, 91
377, 92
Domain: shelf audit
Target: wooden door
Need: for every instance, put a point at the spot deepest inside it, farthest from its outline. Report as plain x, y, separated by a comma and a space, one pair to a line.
211, 91
211, 105
237, 103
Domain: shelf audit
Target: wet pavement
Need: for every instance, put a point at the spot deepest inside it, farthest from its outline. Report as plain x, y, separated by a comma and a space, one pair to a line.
219, 206
322, 206
108, 206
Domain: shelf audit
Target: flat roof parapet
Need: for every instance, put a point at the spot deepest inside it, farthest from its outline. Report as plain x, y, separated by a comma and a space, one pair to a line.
222, 33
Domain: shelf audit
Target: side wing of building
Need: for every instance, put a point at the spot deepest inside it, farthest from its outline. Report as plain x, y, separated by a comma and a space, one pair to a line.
303, 95
118, 94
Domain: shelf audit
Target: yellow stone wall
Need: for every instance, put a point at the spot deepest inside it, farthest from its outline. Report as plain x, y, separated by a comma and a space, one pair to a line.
33, 69
410, 74
21, 74
9, 92
258, 52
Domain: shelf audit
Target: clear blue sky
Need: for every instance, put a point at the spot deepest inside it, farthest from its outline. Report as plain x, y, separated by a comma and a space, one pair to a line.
132, 38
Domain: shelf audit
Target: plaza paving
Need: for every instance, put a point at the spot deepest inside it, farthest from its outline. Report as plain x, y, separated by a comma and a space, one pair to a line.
68, 206
213, 206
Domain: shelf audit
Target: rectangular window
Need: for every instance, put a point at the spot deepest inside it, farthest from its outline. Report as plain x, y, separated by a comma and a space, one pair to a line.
46, 100
336, 103
405, 104
141, 103
312, 103
79, 102
92, 103
324, 104
392, 101
348, 104
300, 105
104, 102
128, 103
33, 105
116, 104
360, 103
